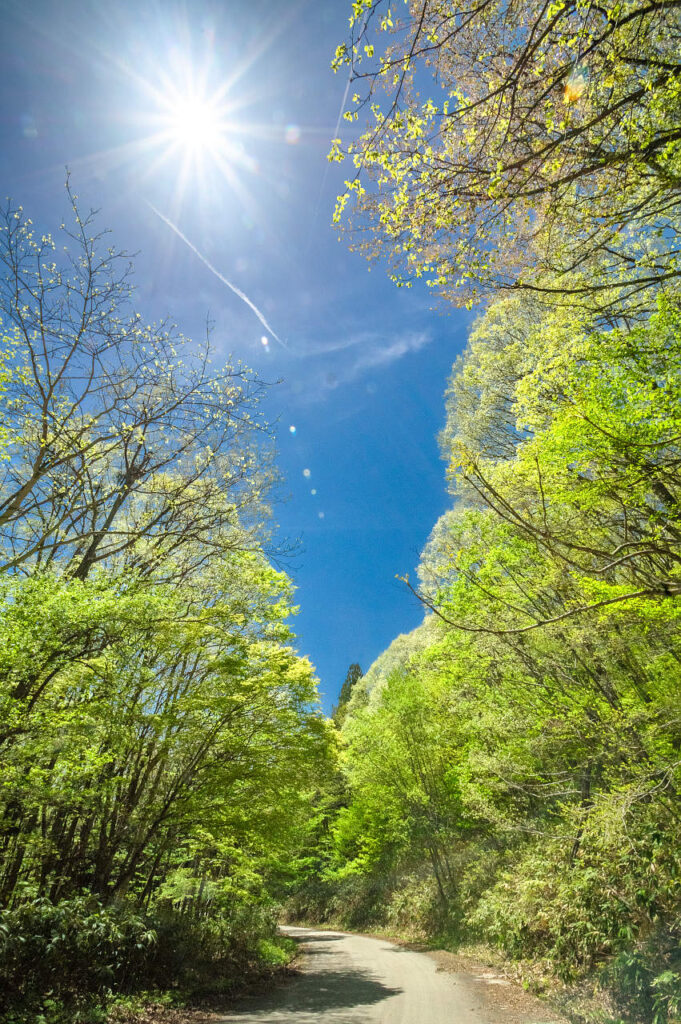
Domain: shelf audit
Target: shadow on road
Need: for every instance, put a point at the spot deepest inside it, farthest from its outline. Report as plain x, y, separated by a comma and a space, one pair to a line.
318, 993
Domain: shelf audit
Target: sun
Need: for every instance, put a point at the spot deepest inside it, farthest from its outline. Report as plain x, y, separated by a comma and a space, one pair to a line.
195, 124
193, 133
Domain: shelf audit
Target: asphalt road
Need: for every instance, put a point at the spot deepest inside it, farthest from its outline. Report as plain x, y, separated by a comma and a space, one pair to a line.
349, 979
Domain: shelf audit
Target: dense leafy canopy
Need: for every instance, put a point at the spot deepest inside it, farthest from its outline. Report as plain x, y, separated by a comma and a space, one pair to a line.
509, 772
525, 144
533, 715
511, 768
159, 734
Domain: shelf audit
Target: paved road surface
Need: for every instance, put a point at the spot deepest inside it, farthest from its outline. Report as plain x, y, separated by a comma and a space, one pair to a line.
349, 979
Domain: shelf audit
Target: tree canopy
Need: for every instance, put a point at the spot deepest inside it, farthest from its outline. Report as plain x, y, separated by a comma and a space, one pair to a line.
160, 735
511, 766
523, 145
122, 440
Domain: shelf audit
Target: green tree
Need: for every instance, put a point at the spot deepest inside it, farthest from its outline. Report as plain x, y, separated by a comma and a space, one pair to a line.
352, 677
123, 441
160, 736
571, 437
527, 145
512, 765
401, 757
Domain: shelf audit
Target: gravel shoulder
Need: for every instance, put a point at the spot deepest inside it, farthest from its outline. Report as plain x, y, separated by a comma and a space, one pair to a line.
504, 1002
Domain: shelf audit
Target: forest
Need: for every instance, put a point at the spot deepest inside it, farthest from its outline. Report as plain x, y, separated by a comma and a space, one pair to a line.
159, 732
506, 777
510, 770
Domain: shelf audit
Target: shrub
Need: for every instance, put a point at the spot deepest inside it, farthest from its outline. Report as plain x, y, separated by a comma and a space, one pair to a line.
645, 984
212, 953
68, 954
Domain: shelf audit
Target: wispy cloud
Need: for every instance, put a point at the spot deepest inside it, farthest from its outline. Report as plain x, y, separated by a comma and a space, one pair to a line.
383, 355
375, 349
335, 363
352, 339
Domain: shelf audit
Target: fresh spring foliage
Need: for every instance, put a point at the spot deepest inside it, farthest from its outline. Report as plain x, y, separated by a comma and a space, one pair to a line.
512, 772
523, 144
158, 731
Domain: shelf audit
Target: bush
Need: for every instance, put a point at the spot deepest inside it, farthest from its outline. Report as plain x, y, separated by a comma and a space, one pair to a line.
277, 952
581, 912
213, 953
645, 984
414, 908
60, 963
69, 955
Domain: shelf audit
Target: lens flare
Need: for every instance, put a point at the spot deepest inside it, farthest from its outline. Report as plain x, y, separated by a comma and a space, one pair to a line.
575, 87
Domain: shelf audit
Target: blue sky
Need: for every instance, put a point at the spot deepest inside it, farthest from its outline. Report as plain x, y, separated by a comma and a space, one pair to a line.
363, 365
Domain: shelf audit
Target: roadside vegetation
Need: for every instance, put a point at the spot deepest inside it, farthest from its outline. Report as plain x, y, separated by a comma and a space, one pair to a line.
509, 773
158, 730
511, 770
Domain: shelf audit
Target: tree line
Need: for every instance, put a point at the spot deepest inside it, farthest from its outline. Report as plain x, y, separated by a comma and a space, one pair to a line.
510, 770
158, 729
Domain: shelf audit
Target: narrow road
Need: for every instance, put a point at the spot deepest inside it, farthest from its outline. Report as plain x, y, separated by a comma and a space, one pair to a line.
350, 979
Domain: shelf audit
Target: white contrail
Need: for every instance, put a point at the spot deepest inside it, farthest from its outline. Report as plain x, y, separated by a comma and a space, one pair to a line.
220, 277
342, 104
341, 110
